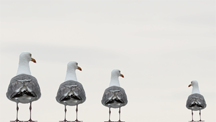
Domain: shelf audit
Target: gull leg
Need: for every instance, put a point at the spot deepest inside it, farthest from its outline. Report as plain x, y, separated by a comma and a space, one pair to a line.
76, 113
119, 114
65, 114
17, 113
200, 114
30, 108
192, 115
109, 114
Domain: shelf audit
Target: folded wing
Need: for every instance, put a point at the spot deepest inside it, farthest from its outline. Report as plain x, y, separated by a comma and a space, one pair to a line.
114, 97
71, 90
196, 102
23, 84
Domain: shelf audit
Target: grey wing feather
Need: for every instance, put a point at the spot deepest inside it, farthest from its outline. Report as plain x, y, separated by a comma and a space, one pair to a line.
108, 93
16, 84
196, 98
62, 91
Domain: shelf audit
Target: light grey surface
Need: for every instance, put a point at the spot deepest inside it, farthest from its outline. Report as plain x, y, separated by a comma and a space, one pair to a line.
114, 95
70, 87
159, 45
20, 83
196, 102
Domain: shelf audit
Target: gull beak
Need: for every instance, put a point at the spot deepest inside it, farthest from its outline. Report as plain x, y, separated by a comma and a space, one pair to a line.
189, 85
122, 75
33, 60
79, 68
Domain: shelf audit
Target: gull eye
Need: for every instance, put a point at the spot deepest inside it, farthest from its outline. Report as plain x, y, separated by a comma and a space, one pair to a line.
77, 64
30, 54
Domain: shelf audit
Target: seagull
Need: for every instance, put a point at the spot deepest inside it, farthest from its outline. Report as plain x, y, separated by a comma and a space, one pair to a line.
114, 96
71, 91
23, 87
195, 101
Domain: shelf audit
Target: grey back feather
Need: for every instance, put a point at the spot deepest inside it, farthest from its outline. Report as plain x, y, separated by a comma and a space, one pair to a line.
196, 98
63, 90
109, 93
17, 82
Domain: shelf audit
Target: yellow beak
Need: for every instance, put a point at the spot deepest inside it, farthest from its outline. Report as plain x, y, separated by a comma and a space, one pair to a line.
122, 75
33, 60
79, 68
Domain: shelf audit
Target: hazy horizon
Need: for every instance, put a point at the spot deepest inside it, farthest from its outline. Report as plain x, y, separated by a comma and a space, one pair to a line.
159, 46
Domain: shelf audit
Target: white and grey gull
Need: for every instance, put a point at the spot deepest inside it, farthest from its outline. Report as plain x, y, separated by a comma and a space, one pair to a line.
23, 87
71, 92
195, 101
114, 96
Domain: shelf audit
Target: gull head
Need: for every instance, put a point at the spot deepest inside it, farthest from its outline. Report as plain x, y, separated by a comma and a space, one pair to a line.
117, 73
73, 65
26, 56
193, 83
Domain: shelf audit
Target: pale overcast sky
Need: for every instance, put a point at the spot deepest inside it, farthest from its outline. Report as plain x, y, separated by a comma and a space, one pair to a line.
159, 46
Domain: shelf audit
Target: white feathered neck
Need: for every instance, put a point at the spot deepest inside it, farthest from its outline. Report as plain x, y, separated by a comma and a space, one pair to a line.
23, 67
114, 81
195, 88
71, 74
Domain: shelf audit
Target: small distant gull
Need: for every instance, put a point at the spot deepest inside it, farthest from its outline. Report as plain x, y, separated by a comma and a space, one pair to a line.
71, 91
195, 101
114, 96
24, 88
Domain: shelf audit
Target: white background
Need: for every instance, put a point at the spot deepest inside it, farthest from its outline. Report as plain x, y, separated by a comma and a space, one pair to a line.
159, 46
